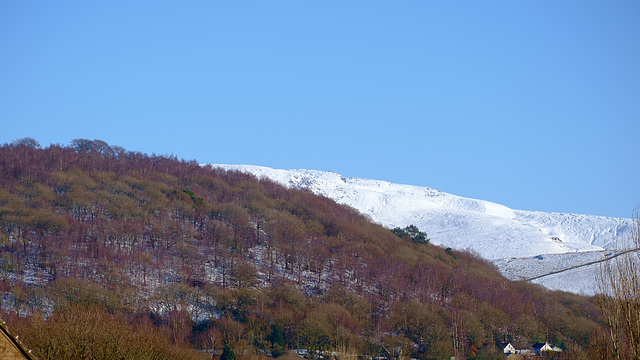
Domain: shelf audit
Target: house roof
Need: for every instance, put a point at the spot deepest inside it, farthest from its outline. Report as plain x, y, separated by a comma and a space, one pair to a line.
545, 346
10, 347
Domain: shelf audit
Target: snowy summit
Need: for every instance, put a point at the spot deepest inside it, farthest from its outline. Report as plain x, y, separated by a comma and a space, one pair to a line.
523, 244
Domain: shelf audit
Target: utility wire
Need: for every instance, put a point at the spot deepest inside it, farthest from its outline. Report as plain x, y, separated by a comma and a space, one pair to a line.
582, 265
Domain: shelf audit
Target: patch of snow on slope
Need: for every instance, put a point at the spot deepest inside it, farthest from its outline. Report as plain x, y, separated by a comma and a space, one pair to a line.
494, 231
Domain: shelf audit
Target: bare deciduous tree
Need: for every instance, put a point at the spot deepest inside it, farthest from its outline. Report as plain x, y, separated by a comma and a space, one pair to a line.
619, 285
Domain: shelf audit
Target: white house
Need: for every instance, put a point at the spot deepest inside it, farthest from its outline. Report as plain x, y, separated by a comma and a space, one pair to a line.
507, 348
540, 348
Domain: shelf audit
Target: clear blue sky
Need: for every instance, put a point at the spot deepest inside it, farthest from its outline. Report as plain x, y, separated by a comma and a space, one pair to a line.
532, 104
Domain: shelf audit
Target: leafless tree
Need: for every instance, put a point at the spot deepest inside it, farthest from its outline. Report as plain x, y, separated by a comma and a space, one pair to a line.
619, 301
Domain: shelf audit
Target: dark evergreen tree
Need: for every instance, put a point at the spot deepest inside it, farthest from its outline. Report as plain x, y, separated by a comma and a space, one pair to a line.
228, 354
413, 233
277, 341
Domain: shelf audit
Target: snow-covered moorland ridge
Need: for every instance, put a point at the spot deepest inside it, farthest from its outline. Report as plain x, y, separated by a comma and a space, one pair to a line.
523, 244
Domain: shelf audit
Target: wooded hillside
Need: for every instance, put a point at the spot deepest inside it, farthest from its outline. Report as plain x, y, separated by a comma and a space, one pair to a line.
176, 257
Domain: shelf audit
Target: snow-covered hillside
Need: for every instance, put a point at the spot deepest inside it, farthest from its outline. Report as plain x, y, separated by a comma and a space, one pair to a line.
519, 242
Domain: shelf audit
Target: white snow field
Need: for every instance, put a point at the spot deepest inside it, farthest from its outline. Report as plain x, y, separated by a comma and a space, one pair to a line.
522, 244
